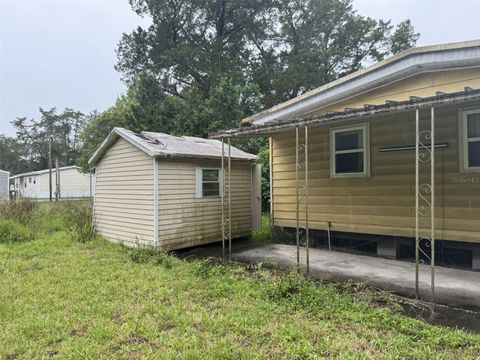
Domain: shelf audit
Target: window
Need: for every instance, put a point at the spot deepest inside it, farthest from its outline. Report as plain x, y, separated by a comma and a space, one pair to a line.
350, 151
29, 180
470, 140
208, 182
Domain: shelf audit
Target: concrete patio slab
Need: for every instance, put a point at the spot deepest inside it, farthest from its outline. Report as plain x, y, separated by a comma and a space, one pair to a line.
457, 288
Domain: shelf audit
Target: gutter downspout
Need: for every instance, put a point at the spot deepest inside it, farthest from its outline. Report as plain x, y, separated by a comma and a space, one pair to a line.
156, 242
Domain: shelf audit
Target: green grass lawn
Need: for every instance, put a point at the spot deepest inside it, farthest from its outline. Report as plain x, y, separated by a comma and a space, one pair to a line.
63, 298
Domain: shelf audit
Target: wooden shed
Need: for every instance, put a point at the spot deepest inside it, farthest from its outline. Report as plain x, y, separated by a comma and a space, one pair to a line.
355, 157
4, 185
166, 191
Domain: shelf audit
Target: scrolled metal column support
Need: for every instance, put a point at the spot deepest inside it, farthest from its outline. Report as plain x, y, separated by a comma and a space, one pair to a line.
417, 215
229, 200
425, 200
297, 197
432, 213
307, 232
223, 199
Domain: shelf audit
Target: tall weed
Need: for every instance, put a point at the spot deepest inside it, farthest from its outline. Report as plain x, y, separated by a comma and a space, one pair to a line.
12, 231
20, 210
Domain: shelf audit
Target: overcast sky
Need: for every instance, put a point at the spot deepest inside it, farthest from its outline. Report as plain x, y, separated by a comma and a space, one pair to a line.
62, 52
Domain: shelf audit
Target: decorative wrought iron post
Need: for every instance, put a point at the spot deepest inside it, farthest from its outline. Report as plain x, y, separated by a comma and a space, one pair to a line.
270, 153
229, 200
425, 200
223, 199
305, 193
297, 197
226, 200
301, 194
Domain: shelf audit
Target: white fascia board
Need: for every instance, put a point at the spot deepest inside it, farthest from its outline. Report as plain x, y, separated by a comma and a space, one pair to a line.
404, 68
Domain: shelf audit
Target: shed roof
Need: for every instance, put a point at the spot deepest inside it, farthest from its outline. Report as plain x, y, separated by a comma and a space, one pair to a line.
40, 172
400, 66
164, 145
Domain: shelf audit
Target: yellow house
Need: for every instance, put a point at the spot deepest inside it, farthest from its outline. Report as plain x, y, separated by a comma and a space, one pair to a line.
345, 156
166, 191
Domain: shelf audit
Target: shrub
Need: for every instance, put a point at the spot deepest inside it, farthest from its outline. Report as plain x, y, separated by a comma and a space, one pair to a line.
11, 231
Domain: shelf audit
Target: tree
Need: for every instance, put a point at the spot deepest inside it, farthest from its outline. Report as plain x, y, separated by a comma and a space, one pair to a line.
203, 65
144, 107
63, 128
12, 156
284, 47
403, 38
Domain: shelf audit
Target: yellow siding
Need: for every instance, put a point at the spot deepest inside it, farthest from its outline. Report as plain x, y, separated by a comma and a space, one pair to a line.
422, 85
187, 221
123, 209
383, 203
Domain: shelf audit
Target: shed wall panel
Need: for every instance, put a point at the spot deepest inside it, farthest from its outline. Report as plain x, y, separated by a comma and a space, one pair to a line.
185, 220
123, 209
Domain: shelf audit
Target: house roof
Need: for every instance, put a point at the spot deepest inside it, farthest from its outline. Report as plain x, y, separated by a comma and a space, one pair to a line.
164, 145
40, 172
405, 64
462, 97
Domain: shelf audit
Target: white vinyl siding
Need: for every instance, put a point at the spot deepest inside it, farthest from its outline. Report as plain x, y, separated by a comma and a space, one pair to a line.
188, 220
124, 209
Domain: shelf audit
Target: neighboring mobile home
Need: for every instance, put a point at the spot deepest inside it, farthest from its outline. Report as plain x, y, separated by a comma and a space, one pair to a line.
361, 153
73, 183
4, 185
166, 191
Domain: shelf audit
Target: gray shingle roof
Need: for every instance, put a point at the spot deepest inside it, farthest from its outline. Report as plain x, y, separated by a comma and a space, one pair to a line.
164, 145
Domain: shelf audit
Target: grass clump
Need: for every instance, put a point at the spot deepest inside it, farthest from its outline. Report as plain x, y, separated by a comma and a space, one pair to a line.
11, 232
146, 254
264, 234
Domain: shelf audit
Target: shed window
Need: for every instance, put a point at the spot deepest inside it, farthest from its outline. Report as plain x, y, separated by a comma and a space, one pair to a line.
208, 182
349, 151
470, 131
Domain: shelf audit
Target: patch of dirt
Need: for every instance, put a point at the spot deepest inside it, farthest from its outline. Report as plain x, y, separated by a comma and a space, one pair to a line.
118, 319
79, 331
136, 339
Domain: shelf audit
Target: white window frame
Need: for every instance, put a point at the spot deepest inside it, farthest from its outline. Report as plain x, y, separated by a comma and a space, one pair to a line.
365, 128
464, 140
199, 183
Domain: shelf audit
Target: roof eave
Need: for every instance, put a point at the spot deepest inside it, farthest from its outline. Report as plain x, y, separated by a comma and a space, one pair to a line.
352, 115
403, 65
